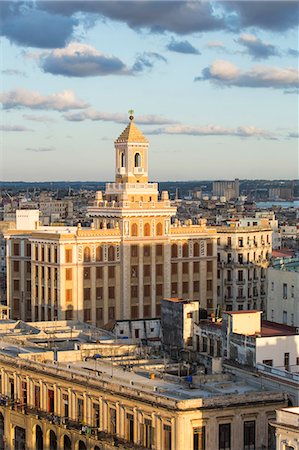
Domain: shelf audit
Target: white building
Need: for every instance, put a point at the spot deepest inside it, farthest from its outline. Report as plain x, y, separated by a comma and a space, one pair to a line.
287, 429
283, 292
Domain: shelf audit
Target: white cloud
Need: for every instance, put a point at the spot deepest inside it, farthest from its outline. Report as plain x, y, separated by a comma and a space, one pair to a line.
227, 74
14, 128
23, 98
92, 114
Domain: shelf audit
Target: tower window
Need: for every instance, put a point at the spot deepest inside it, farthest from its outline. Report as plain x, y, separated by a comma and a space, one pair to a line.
122, 159
137, 160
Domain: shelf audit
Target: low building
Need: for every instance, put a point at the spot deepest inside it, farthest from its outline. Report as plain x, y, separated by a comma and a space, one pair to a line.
283, 291
287, 429
60, 391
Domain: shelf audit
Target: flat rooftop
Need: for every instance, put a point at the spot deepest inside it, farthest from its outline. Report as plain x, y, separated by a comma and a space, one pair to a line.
269, 329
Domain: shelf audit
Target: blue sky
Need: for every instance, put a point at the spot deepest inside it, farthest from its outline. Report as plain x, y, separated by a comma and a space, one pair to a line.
214, 86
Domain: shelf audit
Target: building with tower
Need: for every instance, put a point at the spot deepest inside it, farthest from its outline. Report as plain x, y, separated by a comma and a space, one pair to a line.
134, 255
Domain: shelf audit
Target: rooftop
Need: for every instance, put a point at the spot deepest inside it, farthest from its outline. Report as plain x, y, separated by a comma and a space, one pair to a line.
131, 134
276, 329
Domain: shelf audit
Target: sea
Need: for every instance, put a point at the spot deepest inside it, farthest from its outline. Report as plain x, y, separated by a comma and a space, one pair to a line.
269, 205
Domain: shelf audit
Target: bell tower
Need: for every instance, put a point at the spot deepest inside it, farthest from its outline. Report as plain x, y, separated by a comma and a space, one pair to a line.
131, 155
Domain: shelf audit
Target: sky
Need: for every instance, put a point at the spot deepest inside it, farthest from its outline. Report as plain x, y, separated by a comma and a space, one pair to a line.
213, 85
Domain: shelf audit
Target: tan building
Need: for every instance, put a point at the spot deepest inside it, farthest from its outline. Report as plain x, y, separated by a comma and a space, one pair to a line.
66, 398
123, 266
287, 429
243, 257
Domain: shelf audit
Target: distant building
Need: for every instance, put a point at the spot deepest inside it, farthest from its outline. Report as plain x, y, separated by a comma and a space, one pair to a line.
283, 291
4, 226
227, 189
281, 193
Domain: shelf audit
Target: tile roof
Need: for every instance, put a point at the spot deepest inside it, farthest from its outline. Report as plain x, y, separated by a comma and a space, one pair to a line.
131, 134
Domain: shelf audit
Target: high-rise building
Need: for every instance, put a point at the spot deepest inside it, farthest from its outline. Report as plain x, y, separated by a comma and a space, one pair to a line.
227, 189
121, 267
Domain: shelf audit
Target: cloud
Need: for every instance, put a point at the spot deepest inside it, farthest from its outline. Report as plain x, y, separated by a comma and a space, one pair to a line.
14, 72
224, 73
14, 128
215, 44
293, 135
256, 47
92, 114
181, 17
146, 61
23, 98
24, 24
292, 52
43, 119
214, 130
40, 149
268, 14
81, 60
182, 47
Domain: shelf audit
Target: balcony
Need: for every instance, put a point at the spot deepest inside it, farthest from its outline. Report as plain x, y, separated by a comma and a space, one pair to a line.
138, 170
240, 282
227, 281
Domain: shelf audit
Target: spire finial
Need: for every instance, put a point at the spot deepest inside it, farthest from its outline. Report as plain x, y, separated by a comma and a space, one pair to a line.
131, 112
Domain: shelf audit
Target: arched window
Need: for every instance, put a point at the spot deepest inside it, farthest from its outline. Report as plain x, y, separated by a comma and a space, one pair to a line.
67, 445
134, 229
111, 253
122, 159
86, 254
185, 251
53, 440
174, 251
137, 160
147, 229
99, 253
81, 446
39, 441
159, 229
196, 249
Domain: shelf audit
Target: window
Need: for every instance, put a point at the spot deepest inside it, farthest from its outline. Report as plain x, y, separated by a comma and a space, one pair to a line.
159, 270
148, 438
86, 294
99, 272
199, 438
249, 435
167, 437
159, 250
196, 249
268, 362
196, 267
134, 271
185, 267
99, 314
185, 287
146, 290
209, 285
285, 317
28, 250
68, 274
86, 273
229, 241
240, 275
137, 160
286, 362
87, 315
209, 249
159, 229
147, 270
189, 315
240, 258
16, 249
147, 310
240, 241
196, 286
16, 266
99, 293
224, 436
111, 253
134, 251
174, 288
159, 289
68, 255
111, 292
111, 312
209, 266
147, 230
134, 311
174, 251
134, 229
80, 409
16, 285
99, 253
122, 159
68, 295
146, 251
285, 290
134, 291
292, 291
86, 255
174, 268
111, 272
185, 250
130, 428
229, 257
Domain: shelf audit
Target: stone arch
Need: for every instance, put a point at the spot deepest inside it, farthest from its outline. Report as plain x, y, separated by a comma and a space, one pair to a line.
134, 229
147, 229
52, 440
39, 438
67, 443
159, 229
81, 446
137, 160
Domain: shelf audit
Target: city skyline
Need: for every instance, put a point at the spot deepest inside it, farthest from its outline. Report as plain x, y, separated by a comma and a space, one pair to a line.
216, 92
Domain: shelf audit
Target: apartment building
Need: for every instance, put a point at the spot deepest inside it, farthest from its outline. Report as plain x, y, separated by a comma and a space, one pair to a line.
54, 396
133, 255
227, 189
243, 257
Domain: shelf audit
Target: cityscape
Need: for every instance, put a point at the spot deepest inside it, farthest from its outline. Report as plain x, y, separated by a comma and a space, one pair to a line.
149, 258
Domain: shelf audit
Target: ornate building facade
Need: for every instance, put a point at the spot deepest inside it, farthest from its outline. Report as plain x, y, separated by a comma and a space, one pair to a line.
134, 254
